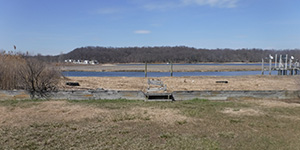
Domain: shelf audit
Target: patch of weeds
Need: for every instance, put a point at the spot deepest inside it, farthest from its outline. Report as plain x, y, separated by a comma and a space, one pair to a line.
110, 104
166, 135
163, 107
236, 109
145, 118
182, 122
251, 125
124, 117
145, 111
196, 100
285, 111
227, 135
30, 145
194, 112
21, 103
207, 108
47, 125
73, 128
210, 144
123, 132
235, 121
199, 100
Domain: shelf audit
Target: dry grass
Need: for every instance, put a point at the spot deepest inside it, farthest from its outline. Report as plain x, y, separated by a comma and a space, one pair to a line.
191, 83
242, 112
46, 112
10, 64
122, 124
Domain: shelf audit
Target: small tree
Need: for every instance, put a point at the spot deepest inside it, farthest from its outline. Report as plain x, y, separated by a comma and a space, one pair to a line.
38, 78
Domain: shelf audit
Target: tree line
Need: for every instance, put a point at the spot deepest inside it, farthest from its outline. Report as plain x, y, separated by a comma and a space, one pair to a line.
164, 54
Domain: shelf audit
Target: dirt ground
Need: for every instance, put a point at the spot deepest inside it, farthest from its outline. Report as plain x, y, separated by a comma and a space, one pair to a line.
256, 82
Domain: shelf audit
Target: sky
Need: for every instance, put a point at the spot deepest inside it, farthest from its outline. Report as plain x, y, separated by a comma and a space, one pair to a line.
52, 27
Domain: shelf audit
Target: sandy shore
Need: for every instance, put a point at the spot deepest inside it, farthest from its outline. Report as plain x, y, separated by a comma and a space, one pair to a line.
159, 68
257, 82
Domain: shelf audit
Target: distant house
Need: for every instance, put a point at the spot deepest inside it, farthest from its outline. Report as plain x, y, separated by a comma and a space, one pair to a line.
92, 62
85, 62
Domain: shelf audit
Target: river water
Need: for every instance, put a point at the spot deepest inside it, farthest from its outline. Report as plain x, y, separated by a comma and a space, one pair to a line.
200, 64
161, 74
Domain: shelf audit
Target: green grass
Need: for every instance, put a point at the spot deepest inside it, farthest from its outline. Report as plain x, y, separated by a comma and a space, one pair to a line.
21, 103
127, 124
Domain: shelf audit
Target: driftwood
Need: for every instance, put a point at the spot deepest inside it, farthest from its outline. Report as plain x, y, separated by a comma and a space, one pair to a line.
72, 83
221, 81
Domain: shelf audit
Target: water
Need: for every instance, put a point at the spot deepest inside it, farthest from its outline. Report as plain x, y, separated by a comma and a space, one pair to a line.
200, 64
161, 74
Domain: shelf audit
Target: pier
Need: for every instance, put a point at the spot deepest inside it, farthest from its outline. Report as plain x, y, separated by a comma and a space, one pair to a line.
283, 64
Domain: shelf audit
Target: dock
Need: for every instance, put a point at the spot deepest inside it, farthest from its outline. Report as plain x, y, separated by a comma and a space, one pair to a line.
285, 65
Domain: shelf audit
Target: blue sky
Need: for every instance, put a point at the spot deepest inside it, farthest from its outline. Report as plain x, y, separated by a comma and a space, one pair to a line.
58, 26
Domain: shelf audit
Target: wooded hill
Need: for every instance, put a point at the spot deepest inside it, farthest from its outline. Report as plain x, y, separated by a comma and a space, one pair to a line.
178, 54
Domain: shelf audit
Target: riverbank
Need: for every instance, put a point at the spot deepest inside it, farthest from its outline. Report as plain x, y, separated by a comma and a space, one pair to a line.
162, 67
200, 83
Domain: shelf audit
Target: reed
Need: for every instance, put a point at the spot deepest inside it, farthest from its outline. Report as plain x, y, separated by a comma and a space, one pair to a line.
9, 67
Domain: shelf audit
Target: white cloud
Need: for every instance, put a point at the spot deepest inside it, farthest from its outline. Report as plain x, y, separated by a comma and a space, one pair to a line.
213, 3
142, 32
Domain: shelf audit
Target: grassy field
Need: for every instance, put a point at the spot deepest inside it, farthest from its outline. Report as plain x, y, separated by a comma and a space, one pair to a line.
122, 124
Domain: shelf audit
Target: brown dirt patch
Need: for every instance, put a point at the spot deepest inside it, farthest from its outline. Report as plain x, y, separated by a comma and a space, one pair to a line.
242, 112
162, 116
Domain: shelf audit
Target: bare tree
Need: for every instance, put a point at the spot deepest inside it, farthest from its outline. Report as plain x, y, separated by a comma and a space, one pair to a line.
39, 78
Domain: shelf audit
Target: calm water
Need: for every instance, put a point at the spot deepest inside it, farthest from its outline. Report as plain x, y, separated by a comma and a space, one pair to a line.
161, 74
201, 64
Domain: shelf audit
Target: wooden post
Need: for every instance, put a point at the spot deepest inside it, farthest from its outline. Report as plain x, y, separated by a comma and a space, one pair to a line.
280, 66
270, 66
145, 70
171, 69
290, 67
262, 66
286, 64
280, 62
275, 61
296, 67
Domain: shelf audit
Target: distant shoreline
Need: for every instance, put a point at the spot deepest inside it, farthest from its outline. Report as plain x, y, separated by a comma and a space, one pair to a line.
131, 67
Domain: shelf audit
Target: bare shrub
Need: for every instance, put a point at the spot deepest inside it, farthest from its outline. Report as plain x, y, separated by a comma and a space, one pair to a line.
38, 78
32, 75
